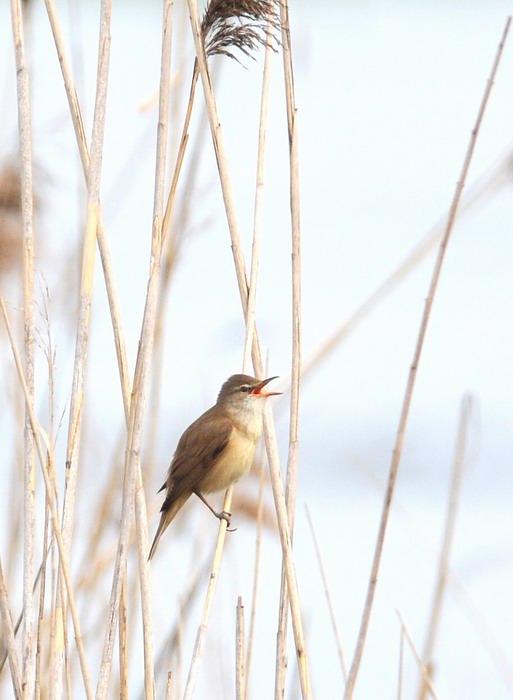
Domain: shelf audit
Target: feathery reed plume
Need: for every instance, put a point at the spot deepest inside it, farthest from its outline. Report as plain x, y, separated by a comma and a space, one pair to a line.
240, 24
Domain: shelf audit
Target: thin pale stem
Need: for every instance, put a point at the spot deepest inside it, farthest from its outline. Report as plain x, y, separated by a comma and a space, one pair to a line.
256, 575
239, 652
123, 644
292, 460
27, 208
458, 468
327, 593
397, 452
8, 635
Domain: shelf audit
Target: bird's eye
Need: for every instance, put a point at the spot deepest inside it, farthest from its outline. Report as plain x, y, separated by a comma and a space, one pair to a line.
245, 388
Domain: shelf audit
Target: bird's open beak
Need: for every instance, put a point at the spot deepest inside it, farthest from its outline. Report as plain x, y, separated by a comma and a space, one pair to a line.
257, 391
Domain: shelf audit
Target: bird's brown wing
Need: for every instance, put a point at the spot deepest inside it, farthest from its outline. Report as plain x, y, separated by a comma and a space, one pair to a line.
196, 452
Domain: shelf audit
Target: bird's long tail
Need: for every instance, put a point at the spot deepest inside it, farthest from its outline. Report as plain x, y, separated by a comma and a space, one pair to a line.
167, 516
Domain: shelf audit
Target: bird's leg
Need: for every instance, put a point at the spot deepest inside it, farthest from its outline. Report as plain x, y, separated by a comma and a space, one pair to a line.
223, 515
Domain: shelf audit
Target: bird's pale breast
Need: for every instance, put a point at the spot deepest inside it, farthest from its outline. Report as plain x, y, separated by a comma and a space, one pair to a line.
235, 460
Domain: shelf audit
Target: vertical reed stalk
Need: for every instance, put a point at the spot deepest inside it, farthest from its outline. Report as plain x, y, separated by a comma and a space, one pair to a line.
240, 683
292, 461
397, 452
8, 634
27, 208
256, 576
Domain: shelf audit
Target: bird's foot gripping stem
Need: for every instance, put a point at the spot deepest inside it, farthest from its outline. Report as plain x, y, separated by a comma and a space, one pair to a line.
222, 515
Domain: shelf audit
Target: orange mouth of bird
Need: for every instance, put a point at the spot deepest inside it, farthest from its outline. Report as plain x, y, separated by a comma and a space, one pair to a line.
259, 389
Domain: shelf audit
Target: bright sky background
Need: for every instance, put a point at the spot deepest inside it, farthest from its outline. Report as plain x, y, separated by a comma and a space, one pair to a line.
387, 96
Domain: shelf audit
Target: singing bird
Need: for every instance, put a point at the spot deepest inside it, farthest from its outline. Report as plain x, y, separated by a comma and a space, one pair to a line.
217, 449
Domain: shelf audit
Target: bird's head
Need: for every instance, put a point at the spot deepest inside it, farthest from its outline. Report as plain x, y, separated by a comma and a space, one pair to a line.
241, 391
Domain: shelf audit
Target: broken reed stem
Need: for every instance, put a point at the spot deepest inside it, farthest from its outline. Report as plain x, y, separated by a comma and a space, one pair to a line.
327, 593
397, 452
458, 468
292, 460
8, 636
269, 430
27, 208
141, 384
240, 684
424, 671
169, 686
63, 557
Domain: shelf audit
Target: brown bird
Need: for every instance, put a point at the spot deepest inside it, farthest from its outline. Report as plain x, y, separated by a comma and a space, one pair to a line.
217, 449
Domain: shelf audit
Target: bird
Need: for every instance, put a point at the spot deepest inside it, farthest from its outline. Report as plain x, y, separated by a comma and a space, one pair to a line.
216, 449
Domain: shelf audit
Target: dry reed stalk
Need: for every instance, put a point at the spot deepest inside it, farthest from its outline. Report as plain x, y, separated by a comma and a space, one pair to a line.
41, 612
396, 455
490, 182
64, 563
458, 468
174, 638
9, 639
257, 210
76, 118
292, 459
400, 666
424, 671
250, 312
27, 210
256, 575
327, 593
87, 275
46, 345
240, 680
207, 605
141, 383
123, 645
269, 430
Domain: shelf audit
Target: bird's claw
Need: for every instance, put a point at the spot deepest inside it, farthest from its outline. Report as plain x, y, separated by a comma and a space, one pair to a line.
224, 515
